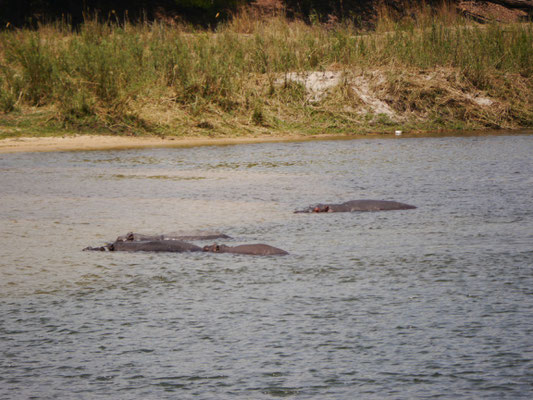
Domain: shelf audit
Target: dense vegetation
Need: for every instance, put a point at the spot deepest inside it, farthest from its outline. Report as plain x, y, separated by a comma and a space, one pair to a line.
29, 13
431, 71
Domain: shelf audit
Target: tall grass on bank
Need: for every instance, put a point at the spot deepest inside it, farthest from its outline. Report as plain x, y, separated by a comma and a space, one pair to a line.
104, 75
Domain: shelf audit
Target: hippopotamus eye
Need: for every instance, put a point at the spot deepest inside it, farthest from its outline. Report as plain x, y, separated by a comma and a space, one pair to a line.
217, 248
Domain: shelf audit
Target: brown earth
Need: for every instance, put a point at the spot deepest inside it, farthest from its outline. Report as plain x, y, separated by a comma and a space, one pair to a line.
484, 11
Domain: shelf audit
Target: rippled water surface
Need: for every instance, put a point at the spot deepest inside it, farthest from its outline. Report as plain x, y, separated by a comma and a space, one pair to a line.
435, 302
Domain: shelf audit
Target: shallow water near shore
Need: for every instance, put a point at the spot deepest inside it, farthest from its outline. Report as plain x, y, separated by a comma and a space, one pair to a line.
435, 302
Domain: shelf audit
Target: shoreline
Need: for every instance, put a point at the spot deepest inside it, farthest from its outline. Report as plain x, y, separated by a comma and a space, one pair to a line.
110, 142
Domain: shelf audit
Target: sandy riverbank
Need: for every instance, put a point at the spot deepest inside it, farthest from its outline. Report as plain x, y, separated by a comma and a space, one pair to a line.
108, 142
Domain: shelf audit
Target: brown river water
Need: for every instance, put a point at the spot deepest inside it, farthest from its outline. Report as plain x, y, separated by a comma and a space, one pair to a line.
435, 302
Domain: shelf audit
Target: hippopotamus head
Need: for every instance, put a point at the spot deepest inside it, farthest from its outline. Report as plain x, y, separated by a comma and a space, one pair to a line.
319, 208
101, 248
216, 248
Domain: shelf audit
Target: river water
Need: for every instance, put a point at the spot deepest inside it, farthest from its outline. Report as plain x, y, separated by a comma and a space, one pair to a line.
435, 302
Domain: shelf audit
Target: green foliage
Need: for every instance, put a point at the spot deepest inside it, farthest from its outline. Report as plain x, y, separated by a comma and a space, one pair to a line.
7, 101
258, 117
10, 86
37, 66
202, 70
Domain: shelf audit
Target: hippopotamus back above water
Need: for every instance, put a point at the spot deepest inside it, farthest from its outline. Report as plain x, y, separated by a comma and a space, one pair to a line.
357, 205
258, 249
176, 246
193, 235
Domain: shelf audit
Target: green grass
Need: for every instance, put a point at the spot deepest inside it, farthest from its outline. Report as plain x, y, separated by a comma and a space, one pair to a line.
158, 79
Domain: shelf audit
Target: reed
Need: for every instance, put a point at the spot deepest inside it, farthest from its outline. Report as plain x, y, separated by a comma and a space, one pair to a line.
160, 78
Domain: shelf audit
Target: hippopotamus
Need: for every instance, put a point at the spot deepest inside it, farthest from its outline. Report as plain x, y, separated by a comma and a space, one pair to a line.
177, 246
258, 249
195, 235
357, 205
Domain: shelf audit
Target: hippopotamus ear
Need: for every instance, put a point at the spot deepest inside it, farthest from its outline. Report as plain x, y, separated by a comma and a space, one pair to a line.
216, 248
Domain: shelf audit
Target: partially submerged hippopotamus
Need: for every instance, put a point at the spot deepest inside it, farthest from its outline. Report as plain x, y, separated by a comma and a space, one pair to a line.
258, 249
176, 246
179, 246
193, 235
357, 205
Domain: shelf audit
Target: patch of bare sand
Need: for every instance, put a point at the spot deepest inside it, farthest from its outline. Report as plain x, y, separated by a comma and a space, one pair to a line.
373, 99
318, 84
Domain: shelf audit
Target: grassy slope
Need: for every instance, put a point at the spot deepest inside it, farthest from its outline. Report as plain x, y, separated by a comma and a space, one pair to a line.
428, 72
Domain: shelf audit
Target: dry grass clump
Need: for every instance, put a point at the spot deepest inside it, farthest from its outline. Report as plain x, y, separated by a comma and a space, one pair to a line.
448, 99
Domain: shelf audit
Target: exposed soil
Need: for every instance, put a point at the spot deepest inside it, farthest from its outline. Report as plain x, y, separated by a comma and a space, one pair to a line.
484, 11
399, 98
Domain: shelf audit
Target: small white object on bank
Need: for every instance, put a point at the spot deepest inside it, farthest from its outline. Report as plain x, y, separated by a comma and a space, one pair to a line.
398, 133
